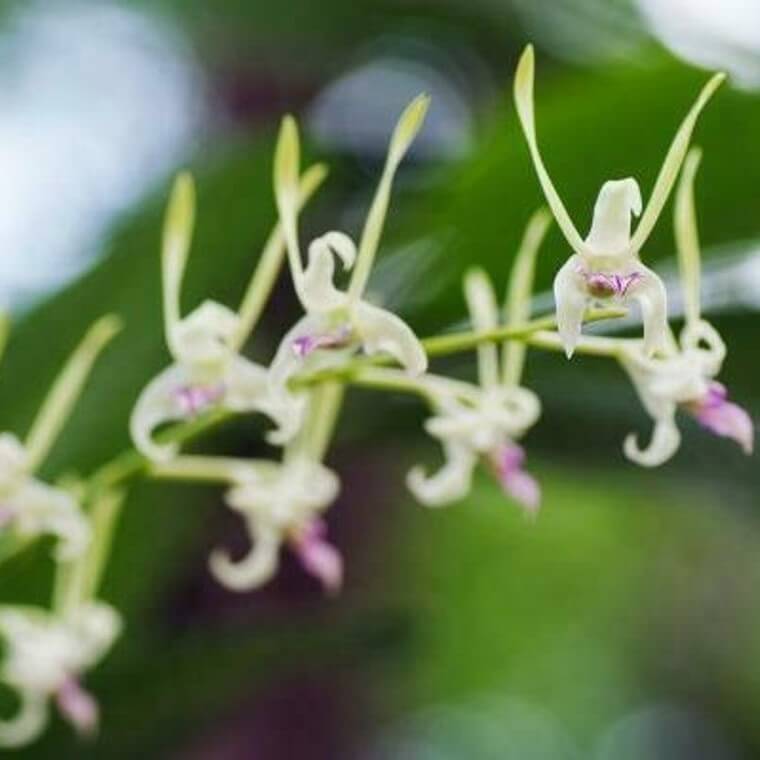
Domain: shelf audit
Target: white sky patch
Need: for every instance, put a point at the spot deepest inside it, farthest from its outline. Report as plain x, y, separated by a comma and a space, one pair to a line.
97, 103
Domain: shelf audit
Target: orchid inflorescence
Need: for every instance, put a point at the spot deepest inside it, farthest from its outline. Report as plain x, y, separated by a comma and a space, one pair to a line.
343, 338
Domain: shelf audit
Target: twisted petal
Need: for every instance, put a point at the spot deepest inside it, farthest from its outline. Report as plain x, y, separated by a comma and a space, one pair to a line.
450, 483
649, 292
249, 389
381, 331
40, 508
570, 297
524, 102
664, 443
28, 723
253, 570
317, 292
701, 340
156, 405
611, 226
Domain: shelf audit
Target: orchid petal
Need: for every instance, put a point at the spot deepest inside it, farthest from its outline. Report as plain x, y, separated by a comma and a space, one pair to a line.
699, 338
253, 570
318, 293
268, 266
523, 92
520, 291
450, 483
663, 445
672, 164
611, 225
724, 418
177, 236
687, 237
382, 331
28, 722
409, 124
484, 315
571, 298
44, 509
287, 159
649, 292
66, 389
202, 340
318, 557
156, 405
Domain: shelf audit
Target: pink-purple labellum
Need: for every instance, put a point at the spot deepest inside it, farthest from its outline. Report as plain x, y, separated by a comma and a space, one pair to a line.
724, 418
319, 557
307, 344
603, 285
78, 706
508, 463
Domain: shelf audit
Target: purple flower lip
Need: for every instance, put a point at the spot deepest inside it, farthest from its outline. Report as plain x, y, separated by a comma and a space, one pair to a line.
604, 285
507, 463
78, 706
318, 557
193, 399
724, 418
307, 344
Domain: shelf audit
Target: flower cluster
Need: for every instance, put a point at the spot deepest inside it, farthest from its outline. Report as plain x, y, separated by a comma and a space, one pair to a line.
344, 338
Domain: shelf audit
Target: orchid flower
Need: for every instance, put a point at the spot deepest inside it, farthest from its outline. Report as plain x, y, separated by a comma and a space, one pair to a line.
282, 503
685, 377
45, 657
338, 323
605, 266
484, 422
208, 370
29, 507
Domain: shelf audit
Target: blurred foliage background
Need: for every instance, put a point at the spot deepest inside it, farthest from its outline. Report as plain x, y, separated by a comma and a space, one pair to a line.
623, 623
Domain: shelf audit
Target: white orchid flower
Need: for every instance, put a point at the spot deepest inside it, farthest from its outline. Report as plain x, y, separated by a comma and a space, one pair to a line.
605, 266
208, 370
475, 423
45, 657
339, 322
685, 377
29, 507
282, 503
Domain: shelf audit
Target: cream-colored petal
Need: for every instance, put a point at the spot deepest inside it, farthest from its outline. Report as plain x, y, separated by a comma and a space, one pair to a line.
520, 292
157, 405
571, 299
28, 723
287, 159
450, 483
664, 443
687, 237
649, 292
253, 570
318, 292
524, 102
701, 340
484, 315
381, 331
672, 164
177, 236
611, 226
42, 509
407, 127
202, 340
67, 388
249, 389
